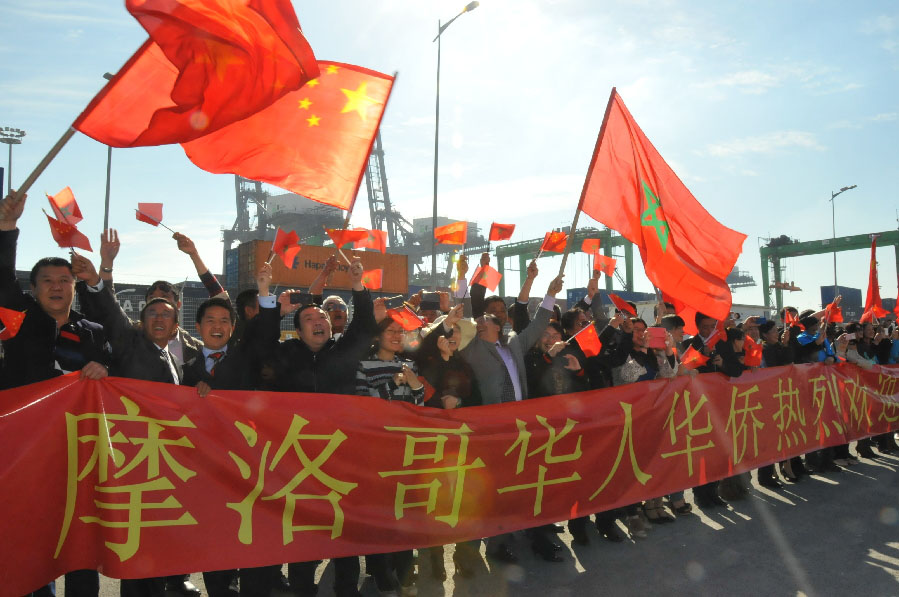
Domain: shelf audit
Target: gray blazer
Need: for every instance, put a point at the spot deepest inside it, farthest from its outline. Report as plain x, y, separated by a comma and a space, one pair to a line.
488, 365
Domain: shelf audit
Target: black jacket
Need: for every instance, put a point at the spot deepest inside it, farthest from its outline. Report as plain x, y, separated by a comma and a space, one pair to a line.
31, 355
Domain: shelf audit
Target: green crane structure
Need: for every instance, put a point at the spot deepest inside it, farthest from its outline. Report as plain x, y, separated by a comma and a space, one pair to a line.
528, 249
816, 247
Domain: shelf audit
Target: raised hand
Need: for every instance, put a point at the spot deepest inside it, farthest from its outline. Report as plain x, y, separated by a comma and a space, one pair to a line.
264, 279
83, 269
380, 307
532, 269
556, 285
462, 266
356, 274
109, 247
11, 209
185, 245
288, 307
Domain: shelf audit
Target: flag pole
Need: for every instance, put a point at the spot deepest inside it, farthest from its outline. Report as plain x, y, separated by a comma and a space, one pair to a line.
23, 188
582, 330
602, 131
158, 222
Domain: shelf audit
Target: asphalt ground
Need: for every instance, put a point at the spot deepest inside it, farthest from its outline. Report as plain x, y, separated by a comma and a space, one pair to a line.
832, 534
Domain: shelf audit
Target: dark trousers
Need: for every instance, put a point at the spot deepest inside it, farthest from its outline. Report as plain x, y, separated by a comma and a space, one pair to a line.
389, 568
258, 582
80, 583
218, 583
301, 576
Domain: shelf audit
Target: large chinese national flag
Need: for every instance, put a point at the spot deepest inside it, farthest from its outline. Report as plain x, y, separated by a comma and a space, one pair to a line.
314, 141
208, 63
629, 188
872, 299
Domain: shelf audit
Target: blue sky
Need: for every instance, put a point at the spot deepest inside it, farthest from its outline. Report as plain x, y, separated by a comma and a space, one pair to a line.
763, 108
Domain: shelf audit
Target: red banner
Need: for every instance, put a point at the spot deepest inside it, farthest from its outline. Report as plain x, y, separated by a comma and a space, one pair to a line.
139, 479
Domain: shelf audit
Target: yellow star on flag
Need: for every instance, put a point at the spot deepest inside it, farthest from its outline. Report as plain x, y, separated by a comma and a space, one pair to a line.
331, 70
313, 120
220, 55
358, 101
304, 103
312, 82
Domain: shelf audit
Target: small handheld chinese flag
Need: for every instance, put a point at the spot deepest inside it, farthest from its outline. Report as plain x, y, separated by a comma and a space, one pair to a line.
501, 231
486, 276
406, 318
621, 304
342, 237
834, 313
753, 352
67, 236
64, 206
590, 246
604, 264
151, 213
692, 358
790, 319
377, 239
589, 342
554, 242
12, 321
451, 234
373, 279
285, 246
717, 336
868, 316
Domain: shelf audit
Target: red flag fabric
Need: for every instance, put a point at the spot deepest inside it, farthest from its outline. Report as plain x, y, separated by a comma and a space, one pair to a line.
554, 242
834, 313
12, 321
286, 246
64, 206
790, 319
207, 64
717, 336
604, 264
686, 252
692, 358
501, 231
342, 237
589, 342
868, 316
375, 239
373, 279
67, 236
451, 234
314, 141
590, 246
151, 213
872, 299
406, 318
486, 276
621, 304
753, 352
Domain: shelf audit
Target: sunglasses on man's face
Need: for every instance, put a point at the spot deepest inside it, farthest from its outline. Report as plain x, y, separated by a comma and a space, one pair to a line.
335, 307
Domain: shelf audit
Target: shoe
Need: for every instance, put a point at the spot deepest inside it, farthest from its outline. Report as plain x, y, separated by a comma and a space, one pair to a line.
770, 483
635, 526
787, 471
555, 528
717, 501
865, 451
503, 555
438, 570
657, 515
830, 467
681, 507
185, 588
544, 549
841, 462
579, 536
610, 532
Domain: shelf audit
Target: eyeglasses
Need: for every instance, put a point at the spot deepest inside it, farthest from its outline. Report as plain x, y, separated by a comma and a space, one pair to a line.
335, 307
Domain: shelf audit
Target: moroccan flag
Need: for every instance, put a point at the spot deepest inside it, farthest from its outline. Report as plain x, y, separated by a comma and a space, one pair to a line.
753, 352
621, 304
373, 279
501, 231
590, 246
692, 358
286, 246
486, 276
589, 342
686, 253
12, 321
207, 64
151, 213
342, 237
451, 234
376, 239
872, 299
64, 206
604, 264
66, 235
314, 141
554, 242
406, 318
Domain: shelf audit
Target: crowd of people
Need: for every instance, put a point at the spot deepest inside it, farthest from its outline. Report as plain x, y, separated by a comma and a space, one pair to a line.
498, 353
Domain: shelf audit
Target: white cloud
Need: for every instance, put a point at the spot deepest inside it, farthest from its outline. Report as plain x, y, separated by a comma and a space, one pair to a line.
885, 117
767, 143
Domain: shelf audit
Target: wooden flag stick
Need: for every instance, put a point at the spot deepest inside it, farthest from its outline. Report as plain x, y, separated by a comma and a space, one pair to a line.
271, 257
571, 232
32, 178
155, 220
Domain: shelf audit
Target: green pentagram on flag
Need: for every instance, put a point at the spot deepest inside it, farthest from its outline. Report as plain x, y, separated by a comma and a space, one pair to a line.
651, 217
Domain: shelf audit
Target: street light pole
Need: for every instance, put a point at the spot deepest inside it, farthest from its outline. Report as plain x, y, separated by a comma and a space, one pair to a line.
834, 233
440, 29
10, 136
